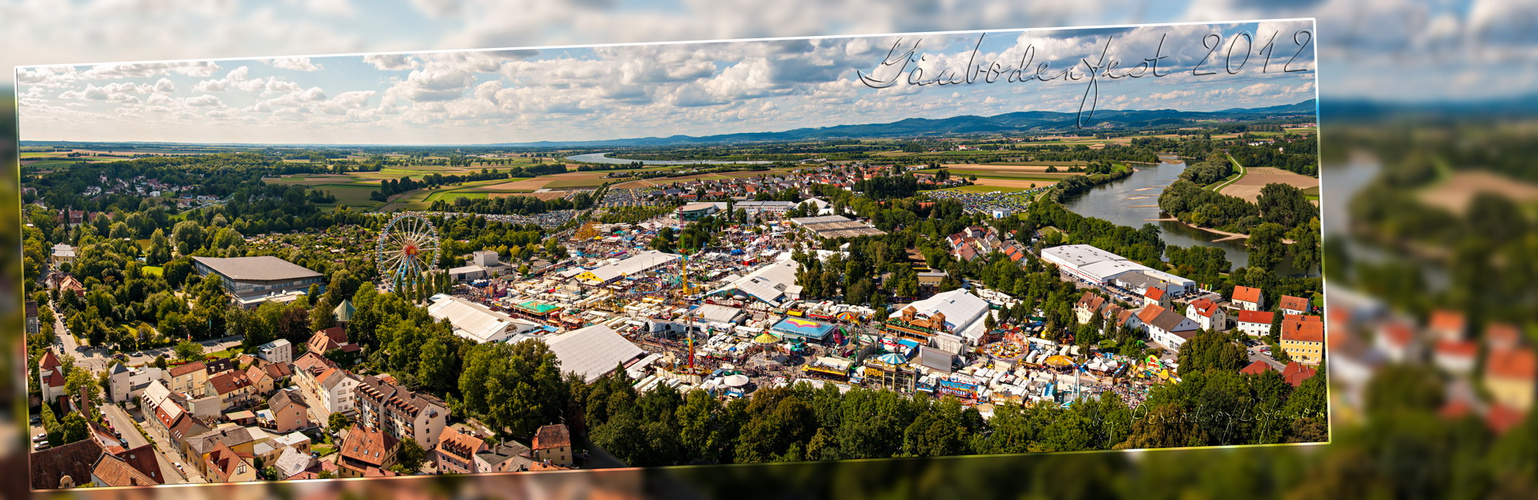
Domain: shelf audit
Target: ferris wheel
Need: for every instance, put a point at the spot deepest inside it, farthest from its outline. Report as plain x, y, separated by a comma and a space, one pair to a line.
407, 249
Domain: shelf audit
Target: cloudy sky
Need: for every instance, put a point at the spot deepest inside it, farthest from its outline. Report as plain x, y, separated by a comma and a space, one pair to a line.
609, 92
1386, 50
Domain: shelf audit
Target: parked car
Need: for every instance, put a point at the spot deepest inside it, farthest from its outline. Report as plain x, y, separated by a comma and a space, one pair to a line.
39, 437
40, 446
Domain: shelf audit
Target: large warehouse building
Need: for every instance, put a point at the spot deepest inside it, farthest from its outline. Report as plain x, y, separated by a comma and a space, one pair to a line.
1101, 267
253, 279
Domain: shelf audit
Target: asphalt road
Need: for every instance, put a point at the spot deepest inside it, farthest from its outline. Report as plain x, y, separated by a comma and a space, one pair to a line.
85, 356
97, 359
124, 424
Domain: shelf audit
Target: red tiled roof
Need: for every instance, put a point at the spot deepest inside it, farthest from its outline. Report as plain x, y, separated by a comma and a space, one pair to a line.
1517, 364
1255, 317
1302, 328
1296, 373
1502, 335
1455, 409
1502, 418
1291, 303
1457, 348
367, 445
223, 461
1153, 292
49, 360
114, 471
73, 460
228, 382
1204, 307
460, 445
1397, 334
551, 436
1149, 313
178, 371
1246, 294
1256, 368
1447, 321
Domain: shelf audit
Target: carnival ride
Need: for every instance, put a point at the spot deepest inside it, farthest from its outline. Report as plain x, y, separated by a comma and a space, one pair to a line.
406, 250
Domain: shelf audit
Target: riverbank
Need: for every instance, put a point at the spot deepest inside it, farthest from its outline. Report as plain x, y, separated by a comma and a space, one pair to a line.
1226, 236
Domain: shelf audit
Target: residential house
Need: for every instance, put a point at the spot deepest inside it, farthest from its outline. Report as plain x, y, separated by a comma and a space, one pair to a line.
366, 453
64, 466
50, 377
289, 411
1166, 327
136, 467
1255, 323
1249, 299
1294, 306
457, 451
1449, 325
293, 462
190, 378
232, 389
1303, 338
262, 383
1257, 367
1397, 341
68, 284
1116, 316
268, 451
327, 340
242, 440
1089, 304
552, 443
1207, 314
331, 386
1510, 375
1155, 296
1295, 373
506, 457
225, 465
1455, 356
63, 253
33, 326
401, 413
277, 351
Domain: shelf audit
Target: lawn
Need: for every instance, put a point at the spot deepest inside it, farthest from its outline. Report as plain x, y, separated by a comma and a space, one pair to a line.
456, 194
152, 270
350, 194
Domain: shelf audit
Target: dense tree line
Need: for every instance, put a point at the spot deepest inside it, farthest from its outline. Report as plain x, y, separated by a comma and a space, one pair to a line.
1212, 170
1194, 205
513, 205
1212, 406
1298, 155
1080, 184
888, 187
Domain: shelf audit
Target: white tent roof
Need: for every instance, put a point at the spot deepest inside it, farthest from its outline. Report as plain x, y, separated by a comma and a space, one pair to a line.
593, 351
961, 308
472, 321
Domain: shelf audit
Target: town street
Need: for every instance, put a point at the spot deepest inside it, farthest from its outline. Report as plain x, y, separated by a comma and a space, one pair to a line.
124, 424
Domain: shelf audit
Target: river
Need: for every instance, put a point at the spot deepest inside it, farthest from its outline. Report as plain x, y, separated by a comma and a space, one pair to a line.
604, 158
1134, 201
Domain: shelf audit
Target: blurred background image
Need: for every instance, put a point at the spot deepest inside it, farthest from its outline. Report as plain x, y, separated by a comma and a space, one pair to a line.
1429, 113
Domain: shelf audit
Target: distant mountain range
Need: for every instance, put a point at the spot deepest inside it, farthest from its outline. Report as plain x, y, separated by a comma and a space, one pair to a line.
1021, 122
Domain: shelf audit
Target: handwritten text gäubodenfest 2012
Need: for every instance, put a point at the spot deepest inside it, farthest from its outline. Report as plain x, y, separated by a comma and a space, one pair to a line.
904, 64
